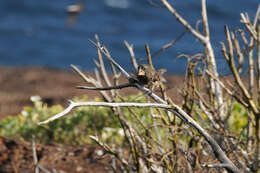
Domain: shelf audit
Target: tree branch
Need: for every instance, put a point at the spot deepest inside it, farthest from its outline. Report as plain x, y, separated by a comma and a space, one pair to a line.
105, 104
168, 45
183, 21
112, 60
92, 81
131, 51
107, 88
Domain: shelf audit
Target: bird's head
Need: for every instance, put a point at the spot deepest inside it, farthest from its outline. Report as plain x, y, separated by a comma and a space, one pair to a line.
141, 70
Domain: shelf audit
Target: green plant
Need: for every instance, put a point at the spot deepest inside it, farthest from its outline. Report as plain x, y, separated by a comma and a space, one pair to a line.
72, 129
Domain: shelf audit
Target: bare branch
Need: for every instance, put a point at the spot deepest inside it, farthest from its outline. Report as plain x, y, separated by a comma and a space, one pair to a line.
112, 60
87, 79
131, 51
155, 4
37, 166
43, 169
105, 104
245, 19
205, 18
101, 63
107, 88
168, 45
235, 73
238, 52
256, 16
92, 81
209, 115
183, 21
149, 57
108, 149
258, 58
35, 159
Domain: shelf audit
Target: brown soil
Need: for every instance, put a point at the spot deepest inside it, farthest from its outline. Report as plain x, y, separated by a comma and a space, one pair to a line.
16, 156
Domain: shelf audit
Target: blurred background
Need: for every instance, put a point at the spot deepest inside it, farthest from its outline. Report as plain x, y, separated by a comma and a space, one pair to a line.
40, 33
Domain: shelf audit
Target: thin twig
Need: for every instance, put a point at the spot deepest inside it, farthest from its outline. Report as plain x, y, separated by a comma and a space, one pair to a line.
235, 73
108, 149
107, 88
168, 45
149, 57
35, 159
131, 51
92, 81
102, 66
245, 19
112, 60
155, 4
43, 169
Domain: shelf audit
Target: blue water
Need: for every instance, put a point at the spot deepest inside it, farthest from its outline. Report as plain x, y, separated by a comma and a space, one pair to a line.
36, 32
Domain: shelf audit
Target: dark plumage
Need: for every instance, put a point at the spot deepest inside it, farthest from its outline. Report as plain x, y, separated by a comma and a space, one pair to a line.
144, 74
147, 76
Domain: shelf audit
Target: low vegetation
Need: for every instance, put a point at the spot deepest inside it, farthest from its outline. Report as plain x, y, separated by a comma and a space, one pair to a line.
76, 127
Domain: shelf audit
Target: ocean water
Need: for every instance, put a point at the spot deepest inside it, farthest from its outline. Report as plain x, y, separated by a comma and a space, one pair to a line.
37, 32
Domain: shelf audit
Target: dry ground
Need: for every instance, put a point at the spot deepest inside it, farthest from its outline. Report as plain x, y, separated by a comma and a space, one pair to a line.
17, 157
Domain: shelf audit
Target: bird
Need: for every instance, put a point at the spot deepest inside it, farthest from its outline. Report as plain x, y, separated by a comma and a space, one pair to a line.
73, 11
146, 75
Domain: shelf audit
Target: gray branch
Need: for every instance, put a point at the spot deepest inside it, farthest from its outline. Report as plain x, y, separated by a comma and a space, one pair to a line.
105, 104
107, 88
